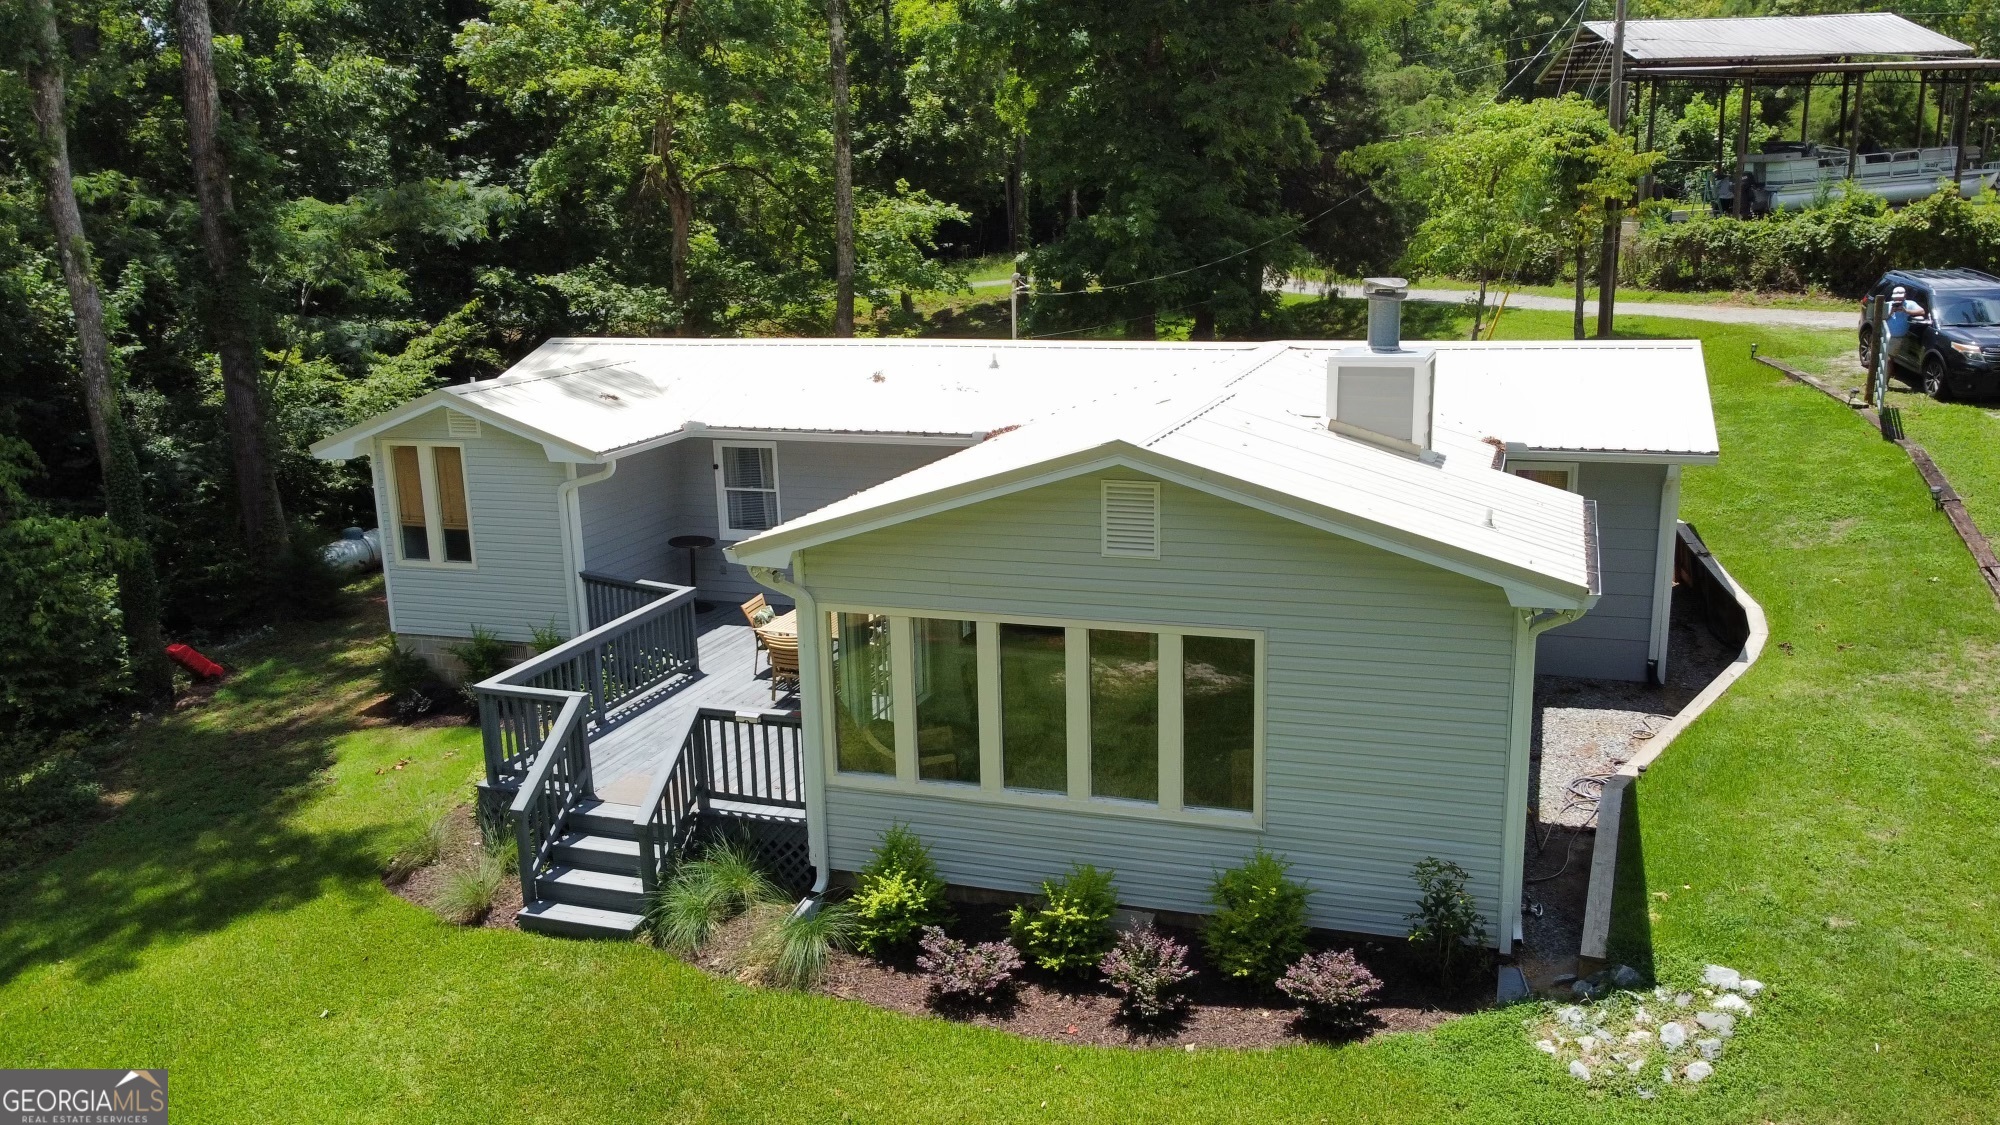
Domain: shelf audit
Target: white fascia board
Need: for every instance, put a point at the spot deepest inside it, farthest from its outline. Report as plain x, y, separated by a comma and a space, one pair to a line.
696, 429
1515, 450
350, 443
1524, 589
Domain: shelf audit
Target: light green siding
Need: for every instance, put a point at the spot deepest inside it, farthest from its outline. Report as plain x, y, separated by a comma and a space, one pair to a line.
518, 580
1389, 684
1614, 640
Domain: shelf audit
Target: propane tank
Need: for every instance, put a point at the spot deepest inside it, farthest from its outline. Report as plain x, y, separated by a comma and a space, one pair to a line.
355, 551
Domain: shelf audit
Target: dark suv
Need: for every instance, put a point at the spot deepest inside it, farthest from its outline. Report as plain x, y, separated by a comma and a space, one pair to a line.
1954, 349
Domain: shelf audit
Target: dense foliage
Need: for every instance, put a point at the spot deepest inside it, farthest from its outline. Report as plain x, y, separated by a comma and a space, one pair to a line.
897, 895
1332, 987
1150, 973
960, 972
1259, 924
1446, 927
1068, 929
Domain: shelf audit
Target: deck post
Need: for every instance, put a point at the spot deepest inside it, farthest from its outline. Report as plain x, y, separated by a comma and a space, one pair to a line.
1958, 132
1854, 129
1742, 192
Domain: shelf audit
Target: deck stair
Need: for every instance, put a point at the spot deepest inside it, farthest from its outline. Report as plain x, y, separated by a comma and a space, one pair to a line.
593, 888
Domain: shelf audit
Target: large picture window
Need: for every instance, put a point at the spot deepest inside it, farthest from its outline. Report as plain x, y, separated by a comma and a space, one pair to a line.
746, 484
433, 519
1130, 720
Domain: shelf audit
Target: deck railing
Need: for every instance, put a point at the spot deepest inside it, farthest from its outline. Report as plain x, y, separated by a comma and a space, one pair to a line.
612, 669
746, 758
606, 599
557, 781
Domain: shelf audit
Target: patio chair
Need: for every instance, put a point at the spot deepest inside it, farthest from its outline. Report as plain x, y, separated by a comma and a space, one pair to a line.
750, 614
783, 649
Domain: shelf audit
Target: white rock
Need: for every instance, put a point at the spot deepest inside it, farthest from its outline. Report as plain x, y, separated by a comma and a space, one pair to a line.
1732, 1003
1580, 1071
1636, 1035
1750, 987
1545, 1046
1698, 1070
1587, 1044
1722, 1023
1682, 1000
1673, 1036
1711, 1049
1645, 1094
1718, 976
1635, 1066
1666, 1076
1625, 976
1642, 1017
1570, 1017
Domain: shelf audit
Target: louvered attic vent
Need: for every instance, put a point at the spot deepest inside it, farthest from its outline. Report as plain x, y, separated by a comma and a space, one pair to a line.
1132, 519
460, 425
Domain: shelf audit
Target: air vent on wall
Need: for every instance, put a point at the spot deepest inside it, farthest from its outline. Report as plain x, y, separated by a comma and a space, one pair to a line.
460, 425
1131, 519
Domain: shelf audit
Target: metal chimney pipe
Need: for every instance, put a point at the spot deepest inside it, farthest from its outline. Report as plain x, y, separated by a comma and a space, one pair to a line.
1385, 312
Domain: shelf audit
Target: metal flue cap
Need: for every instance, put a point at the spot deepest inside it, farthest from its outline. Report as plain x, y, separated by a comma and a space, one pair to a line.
1385, 312
1396, 287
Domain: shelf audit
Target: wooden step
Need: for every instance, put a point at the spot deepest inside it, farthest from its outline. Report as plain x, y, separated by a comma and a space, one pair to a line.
569, 920
601, 889
603, 818
597, 853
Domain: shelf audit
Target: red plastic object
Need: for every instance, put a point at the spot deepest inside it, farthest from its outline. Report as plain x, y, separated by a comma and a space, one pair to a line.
201, 666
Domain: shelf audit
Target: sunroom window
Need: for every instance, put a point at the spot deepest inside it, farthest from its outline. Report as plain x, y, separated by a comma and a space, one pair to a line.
433, 520
863, 694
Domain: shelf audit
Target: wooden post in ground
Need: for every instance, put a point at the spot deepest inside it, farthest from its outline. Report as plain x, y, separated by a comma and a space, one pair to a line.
1805, 110
1958, 131
1854, 130
1742, 199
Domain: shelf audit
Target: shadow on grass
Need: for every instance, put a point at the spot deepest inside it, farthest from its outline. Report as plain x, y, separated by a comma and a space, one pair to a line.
208, 795
1631, 940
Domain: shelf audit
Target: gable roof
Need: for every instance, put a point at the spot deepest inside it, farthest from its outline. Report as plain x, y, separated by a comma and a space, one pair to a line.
1255, 435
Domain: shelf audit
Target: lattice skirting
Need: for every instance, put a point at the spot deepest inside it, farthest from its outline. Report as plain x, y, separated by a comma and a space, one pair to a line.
778, 843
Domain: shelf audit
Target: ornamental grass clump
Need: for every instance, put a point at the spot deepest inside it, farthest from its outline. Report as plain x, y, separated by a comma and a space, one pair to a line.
960, 973
792, 952
420, 847
469, 892
1149, 971
1446, 926
1333, 987
896, 895
1069, 929
705, 893
1259, 925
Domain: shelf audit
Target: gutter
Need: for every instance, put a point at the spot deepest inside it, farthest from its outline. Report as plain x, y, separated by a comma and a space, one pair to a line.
570, 511
811, 754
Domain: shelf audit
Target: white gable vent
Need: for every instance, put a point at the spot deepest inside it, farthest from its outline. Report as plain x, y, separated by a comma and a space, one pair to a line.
1132, 519
1382, 397
460, 425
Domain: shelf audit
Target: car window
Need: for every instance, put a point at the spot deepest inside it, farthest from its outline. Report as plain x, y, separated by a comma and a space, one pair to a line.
1969, 310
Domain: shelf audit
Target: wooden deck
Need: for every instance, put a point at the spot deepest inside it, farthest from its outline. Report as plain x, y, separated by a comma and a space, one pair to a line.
623, 759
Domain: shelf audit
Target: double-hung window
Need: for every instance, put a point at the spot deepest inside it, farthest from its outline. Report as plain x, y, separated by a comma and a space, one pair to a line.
746, 487
1131, 719
433, 520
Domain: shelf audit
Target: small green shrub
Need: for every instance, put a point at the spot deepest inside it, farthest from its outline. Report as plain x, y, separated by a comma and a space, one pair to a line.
898, 894
468, 893
484, 655
1259, 925
420, 847
705, 893
1069, 929
547, 636
1446, 925
402, 671
793, 952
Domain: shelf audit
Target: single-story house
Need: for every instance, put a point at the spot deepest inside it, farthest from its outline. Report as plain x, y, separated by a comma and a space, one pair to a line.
1141, 605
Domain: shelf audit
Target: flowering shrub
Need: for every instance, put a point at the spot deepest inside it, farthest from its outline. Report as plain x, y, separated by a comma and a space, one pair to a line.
898, 894
966, 972
1259, 924
1070, 930
1446, 924
1331, 987
1149, 970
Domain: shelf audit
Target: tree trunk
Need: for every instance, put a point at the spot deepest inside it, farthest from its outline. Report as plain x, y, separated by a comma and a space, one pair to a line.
665, 178
1204, 322
124, 500
843, 173
233, 310
1142, 327
1576, 328
1017, 209
1479, 310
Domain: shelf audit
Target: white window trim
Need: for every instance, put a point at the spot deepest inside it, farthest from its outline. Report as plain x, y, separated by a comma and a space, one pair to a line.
433, 515
732, 534
1569, 467
989, 790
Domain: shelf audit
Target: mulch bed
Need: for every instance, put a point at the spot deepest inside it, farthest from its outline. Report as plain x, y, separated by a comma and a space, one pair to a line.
461, 850
1223, 1013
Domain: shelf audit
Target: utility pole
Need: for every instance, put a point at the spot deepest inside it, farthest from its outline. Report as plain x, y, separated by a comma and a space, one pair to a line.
1614, 215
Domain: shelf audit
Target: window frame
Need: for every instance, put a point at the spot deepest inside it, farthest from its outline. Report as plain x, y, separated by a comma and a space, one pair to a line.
725, 532
990, 789
427, 479
1567, 467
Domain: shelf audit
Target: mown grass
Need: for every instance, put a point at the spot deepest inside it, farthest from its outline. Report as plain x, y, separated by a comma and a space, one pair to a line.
1828, 827
1819, 302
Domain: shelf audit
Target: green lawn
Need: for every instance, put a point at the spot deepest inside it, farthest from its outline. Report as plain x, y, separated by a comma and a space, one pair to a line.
1828, 827
1815, 301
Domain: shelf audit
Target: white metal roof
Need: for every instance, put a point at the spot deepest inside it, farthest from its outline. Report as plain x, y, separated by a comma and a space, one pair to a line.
1257, 434
1774, 38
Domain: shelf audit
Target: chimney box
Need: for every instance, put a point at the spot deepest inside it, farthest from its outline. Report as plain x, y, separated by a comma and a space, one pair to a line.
1382, 393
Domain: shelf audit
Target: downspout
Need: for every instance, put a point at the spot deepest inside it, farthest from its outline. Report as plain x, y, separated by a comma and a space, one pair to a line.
1663, 573
570, 511
1531, 624
812, 755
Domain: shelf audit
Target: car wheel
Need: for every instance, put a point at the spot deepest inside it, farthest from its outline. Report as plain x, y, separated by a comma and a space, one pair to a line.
1868, 348
1935, 384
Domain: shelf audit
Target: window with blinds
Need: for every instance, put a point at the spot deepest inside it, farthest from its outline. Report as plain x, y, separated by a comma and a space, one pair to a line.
433, 517
747, 480
1131, 519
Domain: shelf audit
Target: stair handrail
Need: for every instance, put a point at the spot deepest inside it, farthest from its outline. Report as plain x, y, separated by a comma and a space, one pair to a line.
682, 787
555, 784
610, 667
